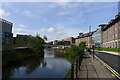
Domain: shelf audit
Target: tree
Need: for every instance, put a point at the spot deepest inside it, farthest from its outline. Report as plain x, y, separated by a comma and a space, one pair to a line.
35, 42
45, 37
19, 42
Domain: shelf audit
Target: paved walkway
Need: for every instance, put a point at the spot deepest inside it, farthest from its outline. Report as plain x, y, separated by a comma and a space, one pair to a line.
93, 69
110, 52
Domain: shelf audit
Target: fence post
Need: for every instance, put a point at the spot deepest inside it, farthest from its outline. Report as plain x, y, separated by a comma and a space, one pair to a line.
72, 72
79, 62
77, 68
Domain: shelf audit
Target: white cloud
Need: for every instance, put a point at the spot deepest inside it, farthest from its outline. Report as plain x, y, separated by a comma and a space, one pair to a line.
54, 32
29, 14
59, 32
22, 25
24, 31
19, 31
51, 29
3, 13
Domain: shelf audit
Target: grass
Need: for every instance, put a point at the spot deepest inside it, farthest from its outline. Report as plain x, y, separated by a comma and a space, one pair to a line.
108, 49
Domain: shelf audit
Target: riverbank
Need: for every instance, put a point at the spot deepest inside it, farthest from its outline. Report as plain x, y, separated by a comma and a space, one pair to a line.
19, 55
57, 49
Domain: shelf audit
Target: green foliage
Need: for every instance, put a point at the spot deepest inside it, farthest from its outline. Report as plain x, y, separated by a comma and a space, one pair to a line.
9, 56
108, 49
74, 51
35, 42
45, 37
19, 42
82, 46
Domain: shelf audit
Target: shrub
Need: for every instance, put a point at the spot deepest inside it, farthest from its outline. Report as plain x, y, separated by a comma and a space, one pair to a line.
74, 51
9, 56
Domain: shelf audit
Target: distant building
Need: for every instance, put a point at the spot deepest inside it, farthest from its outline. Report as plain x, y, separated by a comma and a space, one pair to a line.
6, 32
87, 37
97, 36
71, 40
22, 37
111, 33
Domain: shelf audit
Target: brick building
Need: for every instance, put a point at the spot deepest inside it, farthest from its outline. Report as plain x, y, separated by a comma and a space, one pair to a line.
87, 37
71, 40
111, 33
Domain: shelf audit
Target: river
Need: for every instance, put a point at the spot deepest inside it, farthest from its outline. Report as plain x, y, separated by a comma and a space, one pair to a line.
53, 65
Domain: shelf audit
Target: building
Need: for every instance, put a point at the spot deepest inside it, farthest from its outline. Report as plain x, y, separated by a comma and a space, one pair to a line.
22, 37
87, 37
71, 40
6, 32
111, 33
97, 36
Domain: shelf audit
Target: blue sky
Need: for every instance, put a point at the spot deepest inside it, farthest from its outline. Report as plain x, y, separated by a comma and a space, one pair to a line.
57, 20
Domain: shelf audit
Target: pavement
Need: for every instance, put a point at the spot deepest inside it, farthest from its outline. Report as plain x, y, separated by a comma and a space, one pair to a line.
110, 52
92, 68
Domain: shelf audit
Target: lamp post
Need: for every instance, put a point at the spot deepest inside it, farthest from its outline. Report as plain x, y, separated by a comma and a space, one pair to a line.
89, 35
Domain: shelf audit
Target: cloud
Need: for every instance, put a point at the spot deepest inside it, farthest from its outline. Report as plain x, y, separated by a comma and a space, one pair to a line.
51, 29
3, 13
54, 32
24, 31
19, 31
22, 25
59, 32
29, 14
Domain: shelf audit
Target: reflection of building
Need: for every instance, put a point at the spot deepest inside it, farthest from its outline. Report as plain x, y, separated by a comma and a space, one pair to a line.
6, 33
97, 36
87, 37
22, 37
111, 33
71, 40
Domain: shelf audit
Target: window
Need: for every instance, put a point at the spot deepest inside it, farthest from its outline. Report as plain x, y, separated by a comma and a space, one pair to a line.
119, 27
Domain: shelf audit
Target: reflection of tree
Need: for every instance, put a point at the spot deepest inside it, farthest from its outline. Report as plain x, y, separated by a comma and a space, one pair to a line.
34, 63
70, 59
8, 71
31, 64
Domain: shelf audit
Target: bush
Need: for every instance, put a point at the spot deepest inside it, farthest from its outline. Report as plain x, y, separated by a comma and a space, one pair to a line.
9, 56
74, 51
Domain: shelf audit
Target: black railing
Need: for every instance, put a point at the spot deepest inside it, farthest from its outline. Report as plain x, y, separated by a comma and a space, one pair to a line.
75, 68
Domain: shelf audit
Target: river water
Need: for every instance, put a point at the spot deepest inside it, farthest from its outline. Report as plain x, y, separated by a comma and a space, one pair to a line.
53, 65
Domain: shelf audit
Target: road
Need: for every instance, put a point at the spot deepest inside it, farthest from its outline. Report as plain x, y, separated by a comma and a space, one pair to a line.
110, 59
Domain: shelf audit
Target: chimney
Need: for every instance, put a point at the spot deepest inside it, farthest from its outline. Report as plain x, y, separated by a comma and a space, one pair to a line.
80, 34
102, 26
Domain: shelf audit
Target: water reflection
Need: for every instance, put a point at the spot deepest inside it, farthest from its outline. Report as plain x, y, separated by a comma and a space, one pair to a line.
53, 65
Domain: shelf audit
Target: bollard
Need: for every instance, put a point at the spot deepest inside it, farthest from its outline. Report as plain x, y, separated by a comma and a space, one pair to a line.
72, 72
77, 68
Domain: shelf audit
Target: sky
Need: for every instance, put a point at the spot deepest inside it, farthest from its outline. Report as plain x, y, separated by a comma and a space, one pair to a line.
57, 20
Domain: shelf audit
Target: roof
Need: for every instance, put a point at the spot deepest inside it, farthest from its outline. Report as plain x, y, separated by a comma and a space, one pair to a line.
5, 21
112, 22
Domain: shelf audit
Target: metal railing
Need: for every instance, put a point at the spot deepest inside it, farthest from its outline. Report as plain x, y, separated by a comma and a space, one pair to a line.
75, 68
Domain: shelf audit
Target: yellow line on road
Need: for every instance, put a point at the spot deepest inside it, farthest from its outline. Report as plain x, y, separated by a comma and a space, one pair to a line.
109, 68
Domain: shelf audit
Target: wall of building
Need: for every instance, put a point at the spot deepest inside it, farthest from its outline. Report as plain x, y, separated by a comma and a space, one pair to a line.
6, 32
111, 36
71, 39
97, 37
88, 40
